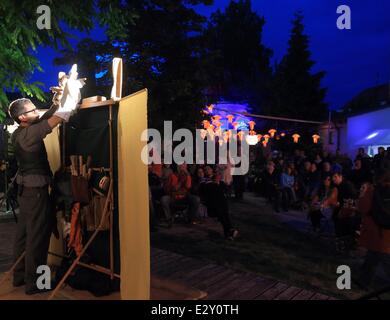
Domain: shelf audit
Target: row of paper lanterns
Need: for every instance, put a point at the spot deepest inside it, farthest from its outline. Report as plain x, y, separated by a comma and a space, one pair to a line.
214, 130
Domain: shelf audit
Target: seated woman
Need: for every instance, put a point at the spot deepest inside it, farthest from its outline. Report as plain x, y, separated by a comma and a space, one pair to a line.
177, 186
322, 203
212, 192
287, 182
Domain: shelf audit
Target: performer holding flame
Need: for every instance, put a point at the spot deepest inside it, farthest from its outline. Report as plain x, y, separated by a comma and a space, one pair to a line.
35, 222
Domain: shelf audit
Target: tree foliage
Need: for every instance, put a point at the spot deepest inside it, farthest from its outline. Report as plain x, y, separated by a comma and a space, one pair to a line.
163, 52
20, 37
297, 91
240, 60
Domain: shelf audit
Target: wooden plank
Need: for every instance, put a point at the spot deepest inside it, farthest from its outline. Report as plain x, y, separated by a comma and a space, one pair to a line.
95, 104
206, 276
184, 264
289, 293
273, 292
245, 282
165, 263
196, 273
220, 280
160, 261
259, 285
319, 296
212, 277
222, 286
229, 291
304, 295
185, 267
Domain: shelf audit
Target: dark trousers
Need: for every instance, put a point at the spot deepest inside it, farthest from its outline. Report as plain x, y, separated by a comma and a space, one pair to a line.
315, 218
371, 263
190, 200
273, 195
288, 197
32, 233
217, 206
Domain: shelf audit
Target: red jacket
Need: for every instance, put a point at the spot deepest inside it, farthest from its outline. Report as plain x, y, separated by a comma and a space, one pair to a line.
178, 185
372, 237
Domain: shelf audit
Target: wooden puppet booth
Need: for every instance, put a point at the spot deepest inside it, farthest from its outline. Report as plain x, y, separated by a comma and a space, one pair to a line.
104, 236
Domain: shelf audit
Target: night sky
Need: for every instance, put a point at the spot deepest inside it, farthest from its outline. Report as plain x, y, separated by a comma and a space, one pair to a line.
353, 59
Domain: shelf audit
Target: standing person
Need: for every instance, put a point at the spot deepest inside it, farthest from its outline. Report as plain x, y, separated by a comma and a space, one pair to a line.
270, 178
359, 175
361, 154
36, 221
344, 215
213, 192
379, 160
375, 233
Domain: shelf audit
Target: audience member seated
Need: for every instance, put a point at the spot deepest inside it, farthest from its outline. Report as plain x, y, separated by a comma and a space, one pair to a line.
322, 203
177, 188
287, 184
314, 182
304, 180
326, 170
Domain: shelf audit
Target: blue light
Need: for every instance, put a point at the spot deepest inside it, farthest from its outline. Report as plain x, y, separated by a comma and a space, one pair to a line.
100, 74
372, 135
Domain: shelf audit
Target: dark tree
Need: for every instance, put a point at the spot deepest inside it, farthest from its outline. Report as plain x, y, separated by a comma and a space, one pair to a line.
297, 91
240, 63
162, 52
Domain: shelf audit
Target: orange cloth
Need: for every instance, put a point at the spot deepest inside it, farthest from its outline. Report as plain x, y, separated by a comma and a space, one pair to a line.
178, 185
75, 237
372, 237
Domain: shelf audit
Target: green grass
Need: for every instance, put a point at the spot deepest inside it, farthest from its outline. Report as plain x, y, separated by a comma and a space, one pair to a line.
267, 247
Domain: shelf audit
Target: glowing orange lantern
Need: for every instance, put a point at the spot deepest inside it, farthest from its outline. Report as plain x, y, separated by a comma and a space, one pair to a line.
251, 125
266, 138
282, 134
217, 124
217, 118
272, 132
230, 118
315, 137
265, 143
240, 135
210, 108
296, 137
206, 124
235, 125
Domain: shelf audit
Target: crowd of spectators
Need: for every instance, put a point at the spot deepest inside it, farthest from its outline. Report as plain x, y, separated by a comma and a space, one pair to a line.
338, 195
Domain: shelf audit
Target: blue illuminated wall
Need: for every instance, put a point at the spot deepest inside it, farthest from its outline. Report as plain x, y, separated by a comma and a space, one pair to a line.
368, 130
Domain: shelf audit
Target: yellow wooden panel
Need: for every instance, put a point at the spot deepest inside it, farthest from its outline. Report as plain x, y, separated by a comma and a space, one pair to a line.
52, 144
133, 198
